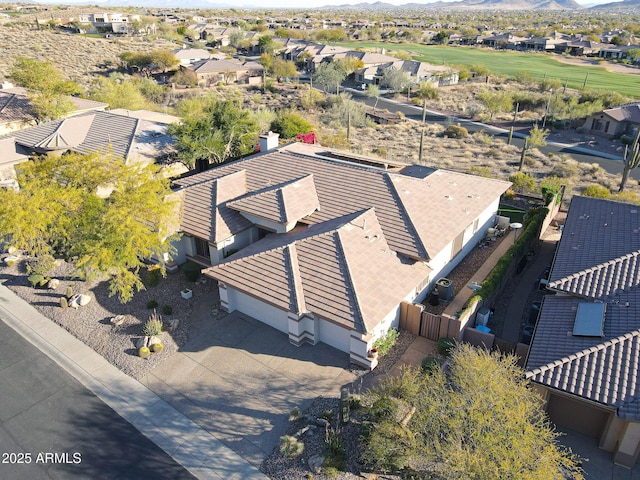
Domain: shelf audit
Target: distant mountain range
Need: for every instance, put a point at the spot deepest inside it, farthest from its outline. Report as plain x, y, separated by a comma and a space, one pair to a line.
452, 5
471, 5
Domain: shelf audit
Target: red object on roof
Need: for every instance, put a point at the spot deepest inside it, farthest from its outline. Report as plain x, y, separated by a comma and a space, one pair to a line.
309, 138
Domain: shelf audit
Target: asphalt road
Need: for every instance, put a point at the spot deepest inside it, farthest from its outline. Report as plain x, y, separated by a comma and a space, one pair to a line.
52, 427
611, 165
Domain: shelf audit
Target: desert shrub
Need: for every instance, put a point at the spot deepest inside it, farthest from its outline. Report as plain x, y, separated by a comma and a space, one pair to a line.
167, 309
185, 77
480, 171
428, 363
510, 194
155, 275
153, 325
523, 77
40, 265
294, 414
191, 271
386, 343
290, 123
596, 191
628, 196
550, 84
327, 415
151, 304
290, 446
355, 402
548, 192
565, 169
383, 407
446, 346
522, 182
455, 131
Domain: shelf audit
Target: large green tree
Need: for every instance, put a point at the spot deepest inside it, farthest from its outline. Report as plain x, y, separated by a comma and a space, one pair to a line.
476, 419
48, 89
329, 76
214, 131
103, 216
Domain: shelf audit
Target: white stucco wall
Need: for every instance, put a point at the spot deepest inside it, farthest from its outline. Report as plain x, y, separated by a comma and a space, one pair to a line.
334, 335
442, 263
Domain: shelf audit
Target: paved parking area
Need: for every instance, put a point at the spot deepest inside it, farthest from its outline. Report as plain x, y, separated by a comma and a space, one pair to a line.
238, 379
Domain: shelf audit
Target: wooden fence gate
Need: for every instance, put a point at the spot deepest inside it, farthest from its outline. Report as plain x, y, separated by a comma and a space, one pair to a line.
426, 324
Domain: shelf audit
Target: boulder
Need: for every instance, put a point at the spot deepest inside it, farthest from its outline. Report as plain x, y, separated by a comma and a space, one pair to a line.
83, 299
117, 320
53, 284
142, 342
11, 259
316, 462
74, 301
11, 250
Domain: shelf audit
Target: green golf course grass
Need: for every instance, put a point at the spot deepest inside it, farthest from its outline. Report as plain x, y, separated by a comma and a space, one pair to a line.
507, 62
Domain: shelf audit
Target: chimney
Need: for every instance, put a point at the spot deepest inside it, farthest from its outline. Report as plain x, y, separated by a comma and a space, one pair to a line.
268, 141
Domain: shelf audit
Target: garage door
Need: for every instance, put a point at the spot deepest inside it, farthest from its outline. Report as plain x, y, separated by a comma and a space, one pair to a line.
576, 415
264, 312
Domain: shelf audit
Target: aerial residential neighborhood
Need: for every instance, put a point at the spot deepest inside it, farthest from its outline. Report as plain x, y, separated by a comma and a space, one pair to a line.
330, 241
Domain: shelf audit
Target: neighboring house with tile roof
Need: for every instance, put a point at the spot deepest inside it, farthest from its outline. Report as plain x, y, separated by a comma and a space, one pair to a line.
584, 356
16, 111
187, 56
133, 139
325, 249
614, 121
417, 72
227, 71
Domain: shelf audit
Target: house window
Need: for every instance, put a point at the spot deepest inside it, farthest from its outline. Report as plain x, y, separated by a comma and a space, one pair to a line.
202, 248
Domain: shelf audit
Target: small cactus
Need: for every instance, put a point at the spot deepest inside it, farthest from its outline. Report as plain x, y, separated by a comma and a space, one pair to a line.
69, 293
144, 352
63, 302
157, 347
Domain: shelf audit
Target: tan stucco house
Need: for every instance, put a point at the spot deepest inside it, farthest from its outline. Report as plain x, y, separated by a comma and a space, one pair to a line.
324, 245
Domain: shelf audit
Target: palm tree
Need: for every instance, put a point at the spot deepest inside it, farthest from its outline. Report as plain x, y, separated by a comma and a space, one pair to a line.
426, 91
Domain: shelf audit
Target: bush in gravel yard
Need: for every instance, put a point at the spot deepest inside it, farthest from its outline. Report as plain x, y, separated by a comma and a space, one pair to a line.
153, 325
155, 275
327, 415
596, 191
290, 446
167, 309
386, 343
446, 346
294, 414
40, 265
429, 363
151, 304
191, 271
456, 131
38, 281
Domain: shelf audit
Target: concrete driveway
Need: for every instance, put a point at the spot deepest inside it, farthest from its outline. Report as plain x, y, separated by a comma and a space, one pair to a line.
238, 379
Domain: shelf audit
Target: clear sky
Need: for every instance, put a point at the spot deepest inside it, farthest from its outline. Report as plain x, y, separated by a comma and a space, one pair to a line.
320, 3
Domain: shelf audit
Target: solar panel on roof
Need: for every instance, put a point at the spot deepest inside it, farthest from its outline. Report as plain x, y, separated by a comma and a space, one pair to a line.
589, 320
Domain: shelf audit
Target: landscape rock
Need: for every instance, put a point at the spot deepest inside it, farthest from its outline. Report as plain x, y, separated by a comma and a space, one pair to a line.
117, 320
74, 301
12, 250
11, 259
83, 300
315, 463
53, 284
173, 323
142, 342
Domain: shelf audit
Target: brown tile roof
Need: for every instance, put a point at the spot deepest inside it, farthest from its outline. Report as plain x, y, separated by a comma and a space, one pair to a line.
107, 132
596, 261
629, 112
284, 203
341, 270
411, 206
15, 106
205, 212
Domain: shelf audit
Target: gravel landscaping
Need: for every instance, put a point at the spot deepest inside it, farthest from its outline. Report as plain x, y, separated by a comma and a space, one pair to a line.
92, 323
